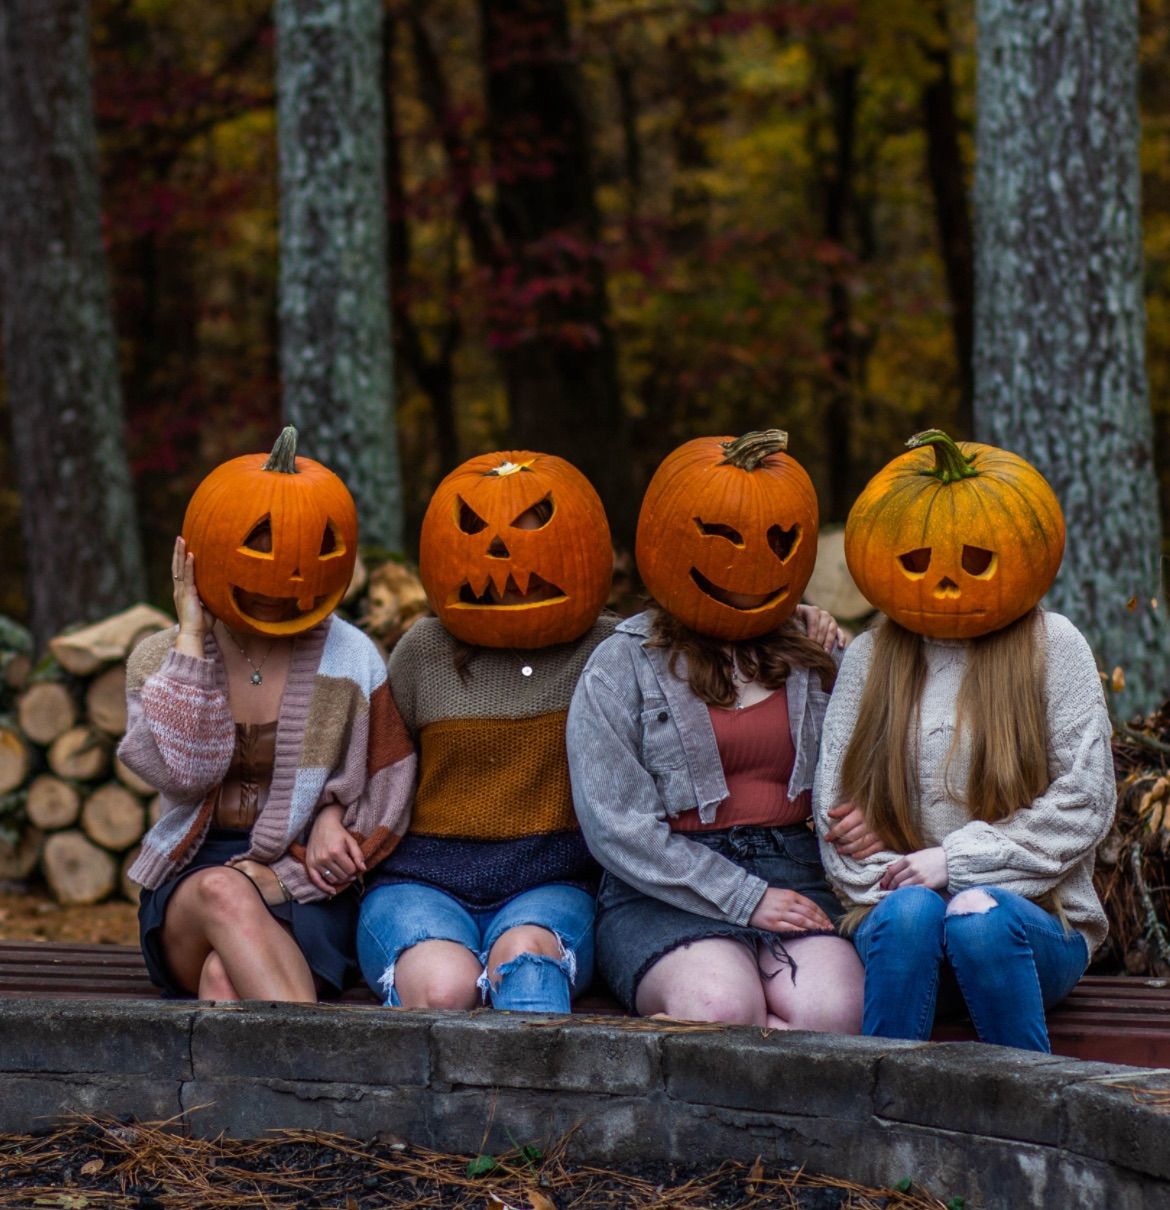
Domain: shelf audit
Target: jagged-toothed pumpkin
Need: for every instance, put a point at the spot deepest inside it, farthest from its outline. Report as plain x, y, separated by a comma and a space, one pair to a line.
272, 525
727, 535
515, 551
955, 540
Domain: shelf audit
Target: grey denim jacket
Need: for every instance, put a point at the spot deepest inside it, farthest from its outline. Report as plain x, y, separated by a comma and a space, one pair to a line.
641, 749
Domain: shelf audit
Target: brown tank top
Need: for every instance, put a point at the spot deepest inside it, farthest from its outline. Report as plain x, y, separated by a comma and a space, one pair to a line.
756, 751
250, 772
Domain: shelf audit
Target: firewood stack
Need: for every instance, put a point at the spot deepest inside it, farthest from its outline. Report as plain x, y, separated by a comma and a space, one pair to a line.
85, 811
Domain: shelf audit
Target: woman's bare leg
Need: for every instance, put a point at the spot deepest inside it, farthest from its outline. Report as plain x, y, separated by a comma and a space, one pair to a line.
220, 909
826, 993
712, 980
437, 974
214, 983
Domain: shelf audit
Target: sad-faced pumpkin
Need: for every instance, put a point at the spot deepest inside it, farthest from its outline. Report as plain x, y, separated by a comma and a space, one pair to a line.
727, 535
515, 551
953, 540
274, 526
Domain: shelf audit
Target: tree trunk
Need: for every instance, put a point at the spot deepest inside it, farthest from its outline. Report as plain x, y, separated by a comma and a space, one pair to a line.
335, 345
60, 352
1060, 320
551, 322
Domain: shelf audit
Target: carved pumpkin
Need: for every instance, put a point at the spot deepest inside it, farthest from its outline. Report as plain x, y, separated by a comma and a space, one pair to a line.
515, 551
727, 535
272, 526
955, 541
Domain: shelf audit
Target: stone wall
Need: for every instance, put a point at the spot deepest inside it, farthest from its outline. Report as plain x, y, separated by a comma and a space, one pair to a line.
1003, 1128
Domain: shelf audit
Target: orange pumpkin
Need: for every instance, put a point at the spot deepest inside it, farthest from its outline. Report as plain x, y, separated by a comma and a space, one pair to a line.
308, 522
515, 551
727, 535
955, 540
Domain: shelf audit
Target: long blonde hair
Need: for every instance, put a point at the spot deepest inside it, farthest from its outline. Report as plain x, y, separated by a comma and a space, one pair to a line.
1000, 706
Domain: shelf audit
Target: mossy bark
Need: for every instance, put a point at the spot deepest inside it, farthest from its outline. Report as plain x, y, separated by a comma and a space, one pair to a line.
60, 350
336, 355
1060, 372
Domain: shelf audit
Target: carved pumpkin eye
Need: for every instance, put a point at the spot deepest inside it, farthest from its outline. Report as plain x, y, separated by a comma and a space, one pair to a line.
978, 562
259, 537
916, 562
714, 529
332, 543
537, 516
783, 541
469, 520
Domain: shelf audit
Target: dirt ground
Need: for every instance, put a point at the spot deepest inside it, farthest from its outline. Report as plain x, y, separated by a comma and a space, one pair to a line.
31, 915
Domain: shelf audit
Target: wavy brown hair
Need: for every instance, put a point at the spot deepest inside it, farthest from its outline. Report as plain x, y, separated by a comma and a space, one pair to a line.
710, 662
1001, 706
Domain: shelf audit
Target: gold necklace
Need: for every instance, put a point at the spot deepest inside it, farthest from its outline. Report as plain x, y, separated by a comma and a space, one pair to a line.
257, 679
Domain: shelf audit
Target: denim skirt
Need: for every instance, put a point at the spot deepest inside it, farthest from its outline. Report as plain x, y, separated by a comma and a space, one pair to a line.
635, 930
324, 930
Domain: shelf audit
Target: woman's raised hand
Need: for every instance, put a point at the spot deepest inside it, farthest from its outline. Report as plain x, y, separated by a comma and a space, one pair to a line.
821, 626
194, 621
851, 835
333, 858
787, 911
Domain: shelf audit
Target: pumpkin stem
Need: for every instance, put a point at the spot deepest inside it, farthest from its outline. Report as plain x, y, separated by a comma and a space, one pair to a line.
748, 451
284, 453
950, 463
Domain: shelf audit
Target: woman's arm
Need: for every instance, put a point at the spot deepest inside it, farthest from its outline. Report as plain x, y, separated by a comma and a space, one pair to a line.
855, 879
1035, 848
623, 818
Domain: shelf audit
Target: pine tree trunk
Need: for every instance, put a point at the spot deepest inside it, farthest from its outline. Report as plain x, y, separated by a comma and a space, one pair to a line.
335, 347
1060, 371
551, 323
60, 353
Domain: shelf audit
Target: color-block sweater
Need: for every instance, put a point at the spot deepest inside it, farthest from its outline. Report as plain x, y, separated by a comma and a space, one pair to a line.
339, 739
493, 811
1046, 848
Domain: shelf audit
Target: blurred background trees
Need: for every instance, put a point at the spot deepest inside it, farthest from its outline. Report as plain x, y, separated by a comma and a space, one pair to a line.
610, 225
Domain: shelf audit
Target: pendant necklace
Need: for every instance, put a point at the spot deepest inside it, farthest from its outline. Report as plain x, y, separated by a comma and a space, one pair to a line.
257, 678
525, 666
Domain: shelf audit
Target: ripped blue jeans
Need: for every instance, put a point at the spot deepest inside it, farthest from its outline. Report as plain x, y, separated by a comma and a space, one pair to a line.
395, 916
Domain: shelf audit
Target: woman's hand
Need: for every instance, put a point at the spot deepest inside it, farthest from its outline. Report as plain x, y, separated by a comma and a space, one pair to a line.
333, 858
786, 911
821, 626
851, 836
265, 880
194, 621
927, 867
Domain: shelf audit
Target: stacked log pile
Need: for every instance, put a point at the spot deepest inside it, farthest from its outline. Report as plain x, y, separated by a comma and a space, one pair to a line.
83, 811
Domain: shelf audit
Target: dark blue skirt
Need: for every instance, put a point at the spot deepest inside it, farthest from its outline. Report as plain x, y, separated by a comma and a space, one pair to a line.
324, 931
635, 930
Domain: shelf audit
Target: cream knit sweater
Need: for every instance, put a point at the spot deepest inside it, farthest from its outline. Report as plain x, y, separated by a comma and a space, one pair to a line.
1047, 846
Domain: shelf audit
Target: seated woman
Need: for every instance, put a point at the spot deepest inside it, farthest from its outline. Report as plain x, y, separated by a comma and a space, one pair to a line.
693, 738
490, 894
264, 721
966, 775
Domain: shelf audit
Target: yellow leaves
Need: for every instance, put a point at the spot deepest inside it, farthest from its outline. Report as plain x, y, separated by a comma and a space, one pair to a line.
1117, 679
1153, 806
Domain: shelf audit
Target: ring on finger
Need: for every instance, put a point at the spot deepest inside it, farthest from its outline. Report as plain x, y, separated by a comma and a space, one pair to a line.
328, 873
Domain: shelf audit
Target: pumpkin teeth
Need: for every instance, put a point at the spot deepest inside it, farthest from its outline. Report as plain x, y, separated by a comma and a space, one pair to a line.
522, 580
477, 585
499, 577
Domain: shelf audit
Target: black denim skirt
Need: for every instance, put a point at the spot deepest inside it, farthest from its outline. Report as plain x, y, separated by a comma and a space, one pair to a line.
635, 930
324, 930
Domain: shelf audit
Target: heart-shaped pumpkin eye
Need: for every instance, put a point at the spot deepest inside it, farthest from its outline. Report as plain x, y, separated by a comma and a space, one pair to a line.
469, 520
714, 529
783, 541
917, 561
977, 561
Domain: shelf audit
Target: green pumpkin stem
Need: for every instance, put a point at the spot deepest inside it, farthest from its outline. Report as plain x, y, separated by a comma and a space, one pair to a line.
750, 450
284, 453
950, 463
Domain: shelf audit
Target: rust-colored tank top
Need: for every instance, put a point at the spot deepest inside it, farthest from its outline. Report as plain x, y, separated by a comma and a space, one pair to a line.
755, 748
238, 802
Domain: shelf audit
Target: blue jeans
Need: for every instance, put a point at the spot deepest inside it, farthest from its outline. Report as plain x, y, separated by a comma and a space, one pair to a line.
1007, 964
397, 915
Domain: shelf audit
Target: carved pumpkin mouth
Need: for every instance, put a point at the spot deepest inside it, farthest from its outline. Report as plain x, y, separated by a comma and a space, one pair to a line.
260, 608
725, 595
539, 592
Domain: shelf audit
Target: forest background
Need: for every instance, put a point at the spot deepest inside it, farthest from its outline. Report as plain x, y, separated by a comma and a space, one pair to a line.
775, 195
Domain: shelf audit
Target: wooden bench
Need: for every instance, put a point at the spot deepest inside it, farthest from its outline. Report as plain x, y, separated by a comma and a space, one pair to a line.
1110, 1018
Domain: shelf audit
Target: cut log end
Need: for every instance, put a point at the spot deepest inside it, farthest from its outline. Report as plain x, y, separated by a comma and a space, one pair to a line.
46, 710
113, 817
129, 888
15, 759
105, 700
83, 652
53, 803
76, 870
82, 753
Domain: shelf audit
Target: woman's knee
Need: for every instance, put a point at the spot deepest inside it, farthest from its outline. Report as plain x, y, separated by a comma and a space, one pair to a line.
524, 939
434, 974
222, 893
977, 925
910, 909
